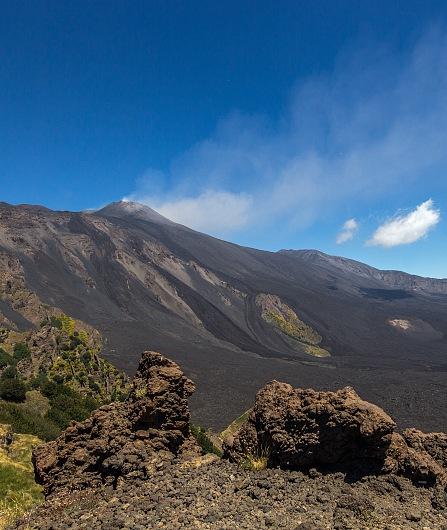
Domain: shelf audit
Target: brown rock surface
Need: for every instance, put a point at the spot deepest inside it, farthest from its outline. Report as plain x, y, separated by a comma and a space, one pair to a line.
122, 439
302, 429
434, 443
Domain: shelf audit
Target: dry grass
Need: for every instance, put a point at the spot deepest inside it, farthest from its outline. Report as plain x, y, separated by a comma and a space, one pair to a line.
259, 460
18, 491
255, 463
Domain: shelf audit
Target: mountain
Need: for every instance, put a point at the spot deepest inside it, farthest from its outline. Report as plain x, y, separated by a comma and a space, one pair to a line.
233, 317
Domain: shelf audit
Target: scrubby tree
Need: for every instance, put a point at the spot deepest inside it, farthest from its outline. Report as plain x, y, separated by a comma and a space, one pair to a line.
5, 359
13, 390
21, 351
9, 373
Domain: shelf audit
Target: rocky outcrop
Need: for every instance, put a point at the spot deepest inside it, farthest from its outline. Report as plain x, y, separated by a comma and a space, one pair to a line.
433, 443
303, 429
130, 439
305, 432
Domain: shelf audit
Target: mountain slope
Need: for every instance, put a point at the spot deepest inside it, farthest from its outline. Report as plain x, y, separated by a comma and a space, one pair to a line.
234, 317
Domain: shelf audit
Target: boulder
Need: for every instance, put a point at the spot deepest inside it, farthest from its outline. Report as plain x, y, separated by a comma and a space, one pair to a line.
120, 440
299, 429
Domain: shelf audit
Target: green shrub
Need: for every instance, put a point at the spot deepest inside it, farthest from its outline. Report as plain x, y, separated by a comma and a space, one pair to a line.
86, 357
21, 351
9, 373
68, 324
74, 342
5, 359
93, 385
204, 441
58, 379
56, 322
39, 381
27, 422
49, 389
13, 390
66, 404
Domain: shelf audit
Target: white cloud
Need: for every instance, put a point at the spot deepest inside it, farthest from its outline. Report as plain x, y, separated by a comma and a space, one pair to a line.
214, 211
218, 212
348, 231
405, 229
379, 119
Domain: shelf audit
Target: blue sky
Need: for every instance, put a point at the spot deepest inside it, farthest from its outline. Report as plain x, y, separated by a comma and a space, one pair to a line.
271, 124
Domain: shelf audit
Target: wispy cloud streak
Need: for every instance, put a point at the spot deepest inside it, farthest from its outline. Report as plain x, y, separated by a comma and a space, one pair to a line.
376, 123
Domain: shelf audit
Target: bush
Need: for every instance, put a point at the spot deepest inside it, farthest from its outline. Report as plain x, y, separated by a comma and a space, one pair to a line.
56, 322
13, 390
21, 351
66, 404
86, 357
27, 422
5, 359
204, 441
74, 342
94, 387
9, 373
39, 381
49, 389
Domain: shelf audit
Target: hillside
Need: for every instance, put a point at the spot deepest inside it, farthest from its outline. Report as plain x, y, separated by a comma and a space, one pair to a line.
233, 317
54, 374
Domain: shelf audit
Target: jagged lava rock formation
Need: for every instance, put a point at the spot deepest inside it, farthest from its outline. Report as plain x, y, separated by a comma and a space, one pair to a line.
122, 439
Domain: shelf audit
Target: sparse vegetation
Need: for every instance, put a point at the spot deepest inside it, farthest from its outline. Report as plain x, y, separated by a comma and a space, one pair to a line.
234, 426
283, 318
254, 462
291, 325
258, 460
316, 351
204, 440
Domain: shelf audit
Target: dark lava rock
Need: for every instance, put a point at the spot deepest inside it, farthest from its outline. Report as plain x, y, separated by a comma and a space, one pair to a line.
191, 498
129, 439
304, 429
434, 443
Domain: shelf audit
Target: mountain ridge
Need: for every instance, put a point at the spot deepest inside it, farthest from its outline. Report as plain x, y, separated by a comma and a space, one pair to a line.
233, 317
393, 278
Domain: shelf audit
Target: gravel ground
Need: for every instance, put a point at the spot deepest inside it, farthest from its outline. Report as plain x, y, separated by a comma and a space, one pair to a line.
219, 495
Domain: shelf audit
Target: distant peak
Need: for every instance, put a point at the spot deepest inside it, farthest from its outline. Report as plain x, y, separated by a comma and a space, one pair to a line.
126, 208
306, 253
